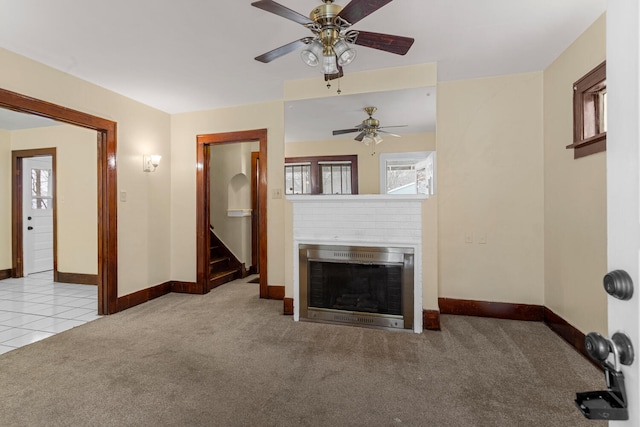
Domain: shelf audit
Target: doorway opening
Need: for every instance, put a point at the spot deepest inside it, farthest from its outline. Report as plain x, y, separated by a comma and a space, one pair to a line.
259, 197
34, 194
107, 190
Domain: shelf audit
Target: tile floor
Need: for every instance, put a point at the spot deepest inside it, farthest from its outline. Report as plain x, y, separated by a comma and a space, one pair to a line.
35, 307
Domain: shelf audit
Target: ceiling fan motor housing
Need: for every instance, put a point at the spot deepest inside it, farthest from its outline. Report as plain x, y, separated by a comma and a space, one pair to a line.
371, 123
325, 14
329, 32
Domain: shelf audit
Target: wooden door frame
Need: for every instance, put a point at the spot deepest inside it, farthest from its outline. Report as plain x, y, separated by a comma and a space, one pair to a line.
203, 200
107, 186
17, 208
255, 216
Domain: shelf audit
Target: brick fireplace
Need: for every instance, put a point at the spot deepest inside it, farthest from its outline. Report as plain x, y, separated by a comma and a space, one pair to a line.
372, 223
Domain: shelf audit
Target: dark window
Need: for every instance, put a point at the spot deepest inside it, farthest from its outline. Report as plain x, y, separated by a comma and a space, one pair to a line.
321, 175
590, 113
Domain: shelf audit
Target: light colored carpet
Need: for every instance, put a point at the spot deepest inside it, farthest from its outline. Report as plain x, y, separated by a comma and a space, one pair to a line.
230, 359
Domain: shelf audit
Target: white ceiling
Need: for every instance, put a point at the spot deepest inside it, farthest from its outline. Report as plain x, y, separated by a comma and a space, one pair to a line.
181, 56
12, 120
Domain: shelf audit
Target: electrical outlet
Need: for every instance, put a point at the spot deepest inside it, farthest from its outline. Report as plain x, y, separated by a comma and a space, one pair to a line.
482, 238
276, 193
468, 237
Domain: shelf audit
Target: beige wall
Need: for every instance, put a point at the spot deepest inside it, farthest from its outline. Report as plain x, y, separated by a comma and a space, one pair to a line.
575, 195
76, 183
144, 219
5, 204
489, 177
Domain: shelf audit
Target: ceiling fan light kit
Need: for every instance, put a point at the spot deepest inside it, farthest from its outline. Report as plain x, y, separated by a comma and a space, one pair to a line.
330, 45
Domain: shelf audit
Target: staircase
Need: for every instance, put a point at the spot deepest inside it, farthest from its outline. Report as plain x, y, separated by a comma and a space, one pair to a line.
223, 265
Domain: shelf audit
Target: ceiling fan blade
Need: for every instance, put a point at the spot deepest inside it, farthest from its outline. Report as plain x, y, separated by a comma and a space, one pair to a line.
358, 9
343, 131
388, 133
282, 50
398, 126
359, 137
389, 43
280, 10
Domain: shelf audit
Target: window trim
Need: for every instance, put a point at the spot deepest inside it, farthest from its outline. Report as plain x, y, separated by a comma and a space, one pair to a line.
595, 144
314, 161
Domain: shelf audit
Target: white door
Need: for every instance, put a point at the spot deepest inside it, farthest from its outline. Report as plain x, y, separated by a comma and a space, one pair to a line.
623, 180
37, 213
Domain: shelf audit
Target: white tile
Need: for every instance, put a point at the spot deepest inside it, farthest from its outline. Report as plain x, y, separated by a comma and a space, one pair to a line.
53, 325
35, 307
4, 315
11, 334
5, 349
29, 338
89, 317
72, 302
75, 313
91, 304
20, 320
44, 299
12, 305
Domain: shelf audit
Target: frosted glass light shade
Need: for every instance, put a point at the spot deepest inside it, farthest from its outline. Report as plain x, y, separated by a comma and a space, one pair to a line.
312, 53
329, 65
344, 53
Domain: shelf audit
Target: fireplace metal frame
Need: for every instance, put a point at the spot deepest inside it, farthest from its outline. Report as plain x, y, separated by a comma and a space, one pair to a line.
358, 255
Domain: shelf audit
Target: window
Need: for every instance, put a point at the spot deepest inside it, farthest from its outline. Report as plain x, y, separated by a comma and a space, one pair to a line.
321, 175
407, 173
590, 113
40, 189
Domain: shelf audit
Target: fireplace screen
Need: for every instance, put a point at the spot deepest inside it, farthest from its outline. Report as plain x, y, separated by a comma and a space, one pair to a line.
362, 285
356, 287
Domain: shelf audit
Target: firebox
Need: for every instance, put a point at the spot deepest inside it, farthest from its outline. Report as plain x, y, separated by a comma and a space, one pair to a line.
366, 286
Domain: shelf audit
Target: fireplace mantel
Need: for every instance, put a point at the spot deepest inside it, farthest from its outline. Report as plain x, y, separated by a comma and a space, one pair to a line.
360, 220
357, 197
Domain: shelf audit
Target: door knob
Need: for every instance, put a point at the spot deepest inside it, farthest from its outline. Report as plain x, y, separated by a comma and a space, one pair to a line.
599, 348
618, 284
29, 228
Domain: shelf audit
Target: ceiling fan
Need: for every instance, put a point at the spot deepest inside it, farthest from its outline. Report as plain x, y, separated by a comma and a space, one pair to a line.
369, 129
329, 44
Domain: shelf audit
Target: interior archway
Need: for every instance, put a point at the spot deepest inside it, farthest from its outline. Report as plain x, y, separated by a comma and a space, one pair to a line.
107, 189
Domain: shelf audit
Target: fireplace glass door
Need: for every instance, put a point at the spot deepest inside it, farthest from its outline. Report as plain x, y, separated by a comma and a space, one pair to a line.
356, 287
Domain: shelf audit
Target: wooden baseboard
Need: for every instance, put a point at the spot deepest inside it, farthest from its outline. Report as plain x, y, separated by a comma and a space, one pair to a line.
527, 312
186, 287
5, 274
431, 320
288, 306
144, 295
275, 292
77, 278
498, 310
567, 332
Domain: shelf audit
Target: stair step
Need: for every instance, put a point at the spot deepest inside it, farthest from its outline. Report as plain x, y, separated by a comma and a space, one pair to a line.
217, 279
217, 261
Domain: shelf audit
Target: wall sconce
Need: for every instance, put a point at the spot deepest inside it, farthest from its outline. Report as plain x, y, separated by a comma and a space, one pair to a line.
150, 162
